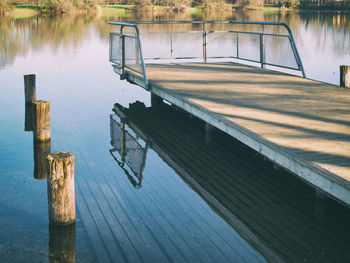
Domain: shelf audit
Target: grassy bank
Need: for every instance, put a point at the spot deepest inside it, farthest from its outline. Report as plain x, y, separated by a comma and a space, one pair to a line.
17, 12
24, 12
125, 7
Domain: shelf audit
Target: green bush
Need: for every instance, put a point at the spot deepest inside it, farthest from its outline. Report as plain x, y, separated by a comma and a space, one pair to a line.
60, 6
66, 6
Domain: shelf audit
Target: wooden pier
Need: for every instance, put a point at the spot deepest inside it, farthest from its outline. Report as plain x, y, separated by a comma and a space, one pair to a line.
302, 125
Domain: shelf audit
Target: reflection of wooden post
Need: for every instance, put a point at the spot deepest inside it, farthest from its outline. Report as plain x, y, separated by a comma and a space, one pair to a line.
41, 150
30, 97
62, 244
28, 117
60, 188
29, 88
345, 76
41, 127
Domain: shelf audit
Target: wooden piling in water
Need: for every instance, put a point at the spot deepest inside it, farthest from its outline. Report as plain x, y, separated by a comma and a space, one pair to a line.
41, 123
345, 76
60, 188
29, 97
29, 88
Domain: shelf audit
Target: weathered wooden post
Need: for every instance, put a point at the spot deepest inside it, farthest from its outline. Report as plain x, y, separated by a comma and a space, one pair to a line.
41, 151
60, 188
345, 76
62, 243
41, 127
29, 97
29, 88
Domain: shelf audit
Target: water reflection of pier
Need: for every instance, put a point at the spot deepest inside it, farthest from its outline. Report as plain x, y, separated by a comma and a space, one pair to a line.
276, 213
130, 151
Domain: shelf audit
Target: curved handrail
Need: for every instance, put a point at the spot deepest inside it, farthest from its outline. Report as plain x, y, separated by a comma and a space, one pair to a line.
135, 23
122, 25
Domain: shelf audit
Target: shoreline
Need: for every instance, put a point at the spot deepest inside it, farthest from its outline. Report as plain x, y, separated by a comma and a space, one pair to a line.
21, 12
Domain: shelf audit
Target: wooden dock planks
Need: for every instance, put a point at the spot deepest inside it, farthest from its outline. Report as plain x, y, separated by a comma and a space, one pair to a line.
301, 124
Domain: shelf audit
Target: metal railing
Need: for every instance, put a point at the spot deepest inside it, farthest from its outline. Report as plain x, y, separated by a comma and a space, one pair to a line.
118, 51
238, 39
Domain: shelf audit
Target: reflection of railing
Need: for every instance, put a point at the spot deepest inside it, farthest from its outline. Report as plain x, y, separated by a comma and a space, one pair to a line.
131, 152
261, 45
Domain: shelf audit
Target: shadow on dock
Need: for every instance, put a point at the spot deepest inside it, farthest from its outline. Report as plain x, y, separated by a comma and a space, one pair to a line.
285, 219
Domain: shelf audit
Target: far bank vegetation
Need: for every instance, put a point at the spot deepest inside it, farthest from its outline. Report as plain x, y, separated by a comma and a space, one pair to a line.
68, 6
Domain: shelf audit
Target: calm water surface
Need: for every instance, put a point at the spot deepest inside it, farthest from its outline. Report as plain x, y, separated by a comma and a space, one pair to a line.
168, 192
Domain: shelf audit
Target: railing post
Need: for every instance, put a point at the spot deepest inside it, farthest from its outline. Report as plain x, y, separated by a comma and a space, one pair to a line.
171, 45
123, 149
204, 44
237, 45
137, 54
110, 46
345, 76
122, 54
262, 51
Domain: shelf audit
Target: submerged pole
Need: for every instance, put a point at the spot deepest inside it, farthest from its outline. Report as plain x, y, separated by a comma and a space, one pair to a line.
41, 124
60, 188
345, 76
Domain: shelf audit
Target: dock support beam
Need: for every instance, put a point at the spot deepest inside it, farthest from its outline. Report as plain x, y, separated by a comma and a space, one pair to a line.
60, 188
156, 101
209, 131
345, 76
322, 202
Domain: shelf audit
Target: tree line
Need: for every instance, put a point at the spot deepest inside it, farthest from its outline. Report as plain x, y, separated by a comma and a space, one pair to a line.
65, 5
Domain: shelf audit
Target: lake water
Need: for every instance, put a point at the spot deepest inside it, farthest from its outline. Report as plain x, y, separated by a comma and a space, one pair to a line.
169, 190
